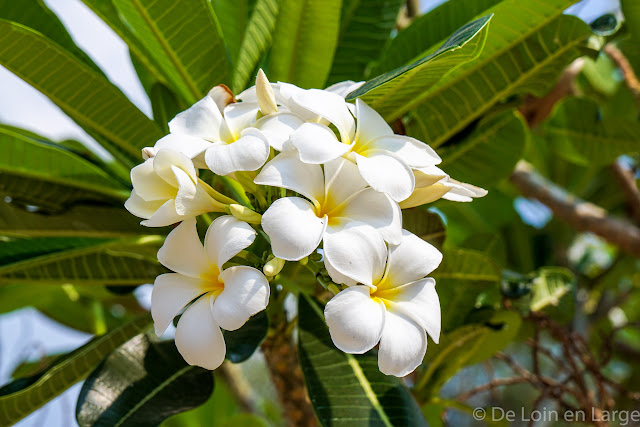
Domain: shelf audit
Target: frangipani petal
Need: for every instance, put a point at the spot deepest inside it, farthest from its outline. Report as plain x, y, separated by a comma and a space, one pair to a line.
411, 260
403, 345
419, 302
428, 176
171, 293
246, 292
336, 276
190, 146
165, 215
329, 106
377, 210
140, 207
239, 116
166, 160
413, 153
371, 125
317, 144
287, 171
246, 154
356, 251
386, 173
355, 320
186, 190
424, 195
277, 128
462, 192
344, 88
293, 227
342, 180
198, 336
203, 119
225, 238
148, 185
182, 251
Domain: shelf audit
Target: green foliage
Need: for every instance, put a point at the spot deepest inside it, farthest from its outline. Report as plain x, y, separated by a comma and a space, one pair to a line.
397, 91
141, 383
243, 342
577, 132
256, 40
365, 27
490, 153
80, 261
50, 177
81, 92
23, 396
304, 42
191, 55
346, 389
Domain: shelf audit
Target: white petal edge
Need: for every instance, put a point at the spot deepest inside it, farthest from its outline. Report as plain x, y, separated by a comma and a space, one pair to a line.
203, 119
148, 185
277, 128
331, 107
293, 227
411, 260
198, 337
287, 171
376, 209
403, 345
171, 293
190, 146
317, 144
225, 238
414, 153
246, 292
182, 251
248, 153
356, 251
419, 301
355, 320
370, 124
387, 174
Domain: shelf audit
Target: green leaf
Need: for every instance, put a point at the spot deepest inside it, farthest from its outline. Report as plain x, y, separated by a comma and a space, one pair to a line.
490, 153
424, 224
106, 10
165, 105
576, 132
22, 397
365, 27
525, 52
465, 346
346, 389
235, 16
256, 41
183, 38
429, 30
396, 92
51, 177
77, 221
631, 12
35, 14
80, 261
305, 41
82, 93
142, 383
467, 264
243, 342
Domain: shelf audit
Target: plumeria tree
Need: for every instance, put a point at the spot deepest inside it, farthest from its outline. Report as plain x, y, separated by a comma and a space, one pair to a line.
334, 202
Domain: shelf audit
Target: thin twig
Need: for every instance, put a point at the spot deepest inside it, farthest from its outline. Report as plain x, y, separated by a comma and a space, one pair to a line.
628, 73
627, 180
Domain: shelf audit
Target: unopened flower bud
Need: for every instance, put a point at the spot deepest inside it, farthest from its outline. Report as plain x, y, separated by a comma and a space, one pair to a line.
264, 92
273, 267
245, 214
148, 152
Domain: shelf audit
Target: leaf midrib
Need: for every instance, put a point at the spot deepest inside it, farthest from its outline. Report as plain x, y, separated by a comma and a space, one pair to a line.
168, 51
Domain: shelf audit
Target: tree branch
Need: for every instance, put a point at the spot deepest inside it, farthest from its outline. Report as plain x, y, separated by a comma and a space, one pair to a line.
623, 63
581, 215
627, 180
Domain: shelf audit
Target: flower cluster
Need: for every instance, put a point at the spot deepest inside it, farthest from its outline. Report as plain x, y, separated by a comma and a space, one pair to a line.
303, 169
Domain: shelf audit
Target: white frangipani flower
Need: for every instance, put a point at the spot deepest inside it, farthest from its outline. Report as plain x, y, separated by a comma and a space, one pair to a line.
399, 307
223, 298
433, 183
166, 190
229, 134
344, 88
384, 160
336, 197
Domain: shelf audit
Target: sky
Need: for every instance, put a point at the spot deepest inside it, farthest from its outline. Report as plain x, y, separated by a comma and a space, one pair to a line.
26, 334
